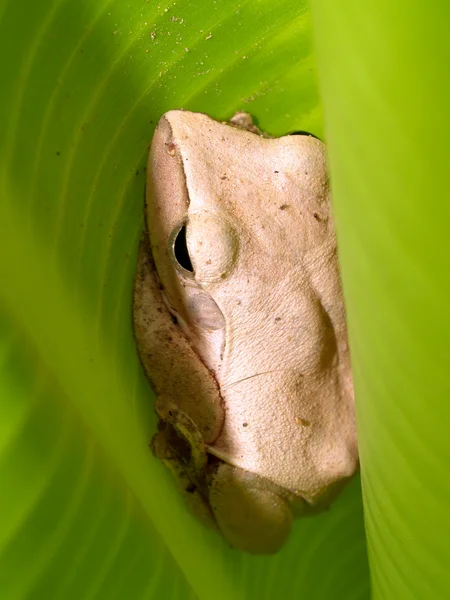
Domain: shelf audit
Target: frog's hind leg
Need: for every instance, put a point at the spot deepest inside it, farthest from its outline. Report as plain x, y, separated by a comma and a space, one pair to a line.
250, 511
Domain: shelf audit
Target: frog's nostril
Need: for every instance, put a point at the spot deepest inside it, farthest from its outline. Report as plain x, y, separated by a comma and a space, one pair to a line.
181, 251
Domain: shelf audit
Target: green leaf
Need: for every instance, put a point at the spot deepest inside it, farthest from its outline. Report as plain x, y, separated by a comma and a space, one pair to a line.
86, 512
386, 92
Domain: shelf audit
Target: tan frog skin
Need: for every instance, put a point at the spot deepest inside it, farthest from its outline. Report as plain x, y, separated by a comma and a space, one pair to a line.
240, 325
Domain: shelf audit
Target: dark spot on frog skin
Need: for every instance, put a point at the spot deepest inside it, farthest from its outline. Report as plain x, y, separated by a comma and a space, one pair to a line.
284, 206
317, 217
245, 424
277, 319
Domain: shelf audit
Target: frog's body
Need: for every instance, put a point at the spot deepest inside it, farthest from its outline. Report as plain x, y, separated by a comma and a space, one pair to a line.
254, 386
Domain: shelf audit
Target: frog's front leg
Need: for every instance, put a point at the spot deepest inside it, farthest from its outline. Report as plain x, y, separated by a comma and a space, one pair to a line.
186, 430
167, 448
250, 512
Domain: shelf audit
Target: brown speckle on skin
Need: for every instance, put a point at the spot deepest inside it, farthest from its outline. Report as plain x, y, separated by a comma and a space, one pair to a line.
284, 206
303, 422
245, 424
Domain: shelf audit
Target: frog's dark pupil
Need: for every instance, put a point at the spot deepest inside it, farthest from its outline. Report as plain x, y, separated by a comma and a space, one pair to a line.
181, 252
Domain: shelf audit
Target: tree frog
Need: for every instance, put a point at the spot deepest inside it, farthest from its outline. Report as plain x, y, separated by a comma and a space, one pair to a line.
240, 326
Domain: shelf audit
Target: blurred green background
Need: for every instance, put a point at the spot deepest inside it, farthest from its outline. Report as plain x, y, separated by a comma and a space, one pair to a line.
85, 511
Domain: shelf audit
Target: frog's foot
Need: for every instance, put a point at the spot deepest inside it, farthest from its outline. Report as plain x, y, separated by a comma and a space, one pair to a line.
167, 448
187, 431
250, 512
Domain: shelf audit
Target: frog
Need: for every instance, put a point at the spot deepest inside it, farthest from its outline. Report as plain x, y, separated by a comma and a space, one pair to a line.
240, 326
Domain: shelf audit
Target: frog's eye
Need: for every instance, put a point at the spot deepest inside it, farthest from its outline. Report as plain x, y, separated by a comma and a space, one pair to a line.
178, 250
307, 133
196, 260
